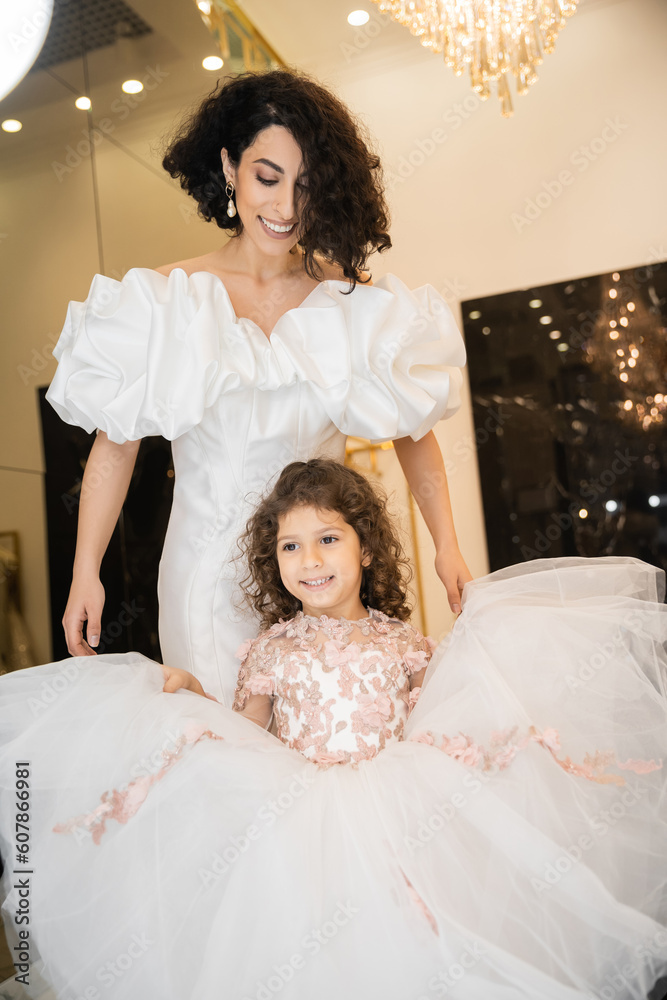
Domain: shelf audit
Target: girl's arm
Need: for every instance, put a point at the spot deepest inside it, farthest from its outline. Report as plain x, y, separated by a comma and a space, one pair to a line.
424, 470
415, 688
106, 480
258, 708
417, 679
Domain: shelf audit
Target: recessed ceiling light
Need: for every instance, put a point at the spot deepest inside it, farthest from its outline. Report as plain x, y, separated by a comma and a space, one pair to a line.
562, 346
358, 17
133, 86
554, 334
83, 103
545, 320
212, 62
12, 125
475, 314
535, 303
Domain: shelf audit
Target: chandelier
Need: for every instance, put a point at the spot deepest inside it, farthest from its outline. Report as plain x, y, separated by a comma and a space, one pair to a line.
494, 37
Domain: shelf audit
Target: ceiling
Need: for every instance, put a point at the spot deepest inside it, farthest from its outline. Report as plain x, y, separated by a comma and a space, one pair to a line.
171, 34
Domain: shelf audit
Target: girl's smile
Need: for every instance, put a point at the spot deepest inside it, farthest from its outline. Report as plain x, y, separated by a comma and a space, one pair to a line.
321, 562
322, 582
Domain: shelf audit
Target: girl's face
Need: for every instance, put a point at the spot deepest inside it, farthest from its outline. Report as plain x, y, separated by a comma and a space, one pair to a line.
269, 187
320, 561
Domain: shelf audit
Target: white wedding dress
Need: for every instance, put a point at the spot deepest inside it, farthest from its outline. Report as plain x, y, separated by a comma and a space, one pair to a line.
501, 835
155, 354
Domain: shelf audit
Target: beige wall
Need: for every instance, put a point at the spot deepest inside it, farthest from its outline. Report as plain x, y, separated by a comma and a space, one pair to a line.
452, 213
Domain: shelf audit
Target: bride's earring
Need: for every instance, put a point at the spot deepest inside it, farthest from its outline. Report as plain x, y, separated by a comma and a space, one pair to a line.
231, 207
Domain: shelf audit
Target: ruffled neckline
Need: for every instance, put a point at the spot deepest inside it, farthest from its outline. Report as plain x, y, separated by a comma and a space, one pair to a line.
151, 353
321, 287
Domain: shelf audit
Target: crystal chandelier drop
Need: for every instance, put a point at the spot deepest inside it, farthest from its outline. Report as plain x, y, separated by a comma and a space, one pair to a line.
494, 37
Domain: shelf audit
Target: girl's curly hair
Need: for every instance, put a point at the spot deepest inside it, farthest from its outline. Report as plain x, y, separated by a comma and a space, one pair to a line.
326, 485
343, 214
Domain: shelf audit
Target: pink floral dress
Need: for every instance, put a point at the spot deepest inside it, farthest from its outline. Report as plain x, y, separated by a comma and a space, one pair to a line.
340, 689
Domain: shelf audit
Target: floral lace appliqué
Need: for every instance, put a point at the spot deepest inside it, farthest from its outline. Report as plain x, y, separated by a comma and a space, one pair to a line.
504, 746
122, 804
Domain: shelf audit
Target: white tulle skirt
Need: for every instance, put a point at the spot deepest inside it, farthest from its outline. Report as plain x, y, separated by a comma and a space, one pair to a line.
514, 845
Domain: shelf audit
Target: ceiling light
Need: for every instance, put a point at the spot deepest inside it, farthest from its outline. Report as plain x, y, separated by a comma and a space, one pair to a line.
11, 125
83, 103
212, 62
133, 86
358, 17
535, 303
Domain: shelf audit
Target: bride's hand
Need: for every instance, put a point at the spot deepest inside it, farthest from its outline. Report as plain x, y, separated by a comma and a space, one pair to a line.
84, 604
452, 570
176, 679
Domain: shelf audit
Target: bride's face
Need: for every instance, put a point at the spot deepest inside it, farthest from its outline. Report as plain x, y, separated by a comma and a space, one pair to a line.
270, 187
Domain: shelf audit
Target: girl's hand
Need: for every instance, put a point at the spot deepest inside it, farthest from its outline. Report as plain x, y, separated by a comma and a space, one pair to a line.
84, 604
176, 679
452, 570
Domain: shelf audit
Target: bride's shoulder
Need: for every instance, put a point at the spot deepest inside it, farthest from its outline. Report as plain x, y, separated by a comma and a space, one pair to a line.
189, 266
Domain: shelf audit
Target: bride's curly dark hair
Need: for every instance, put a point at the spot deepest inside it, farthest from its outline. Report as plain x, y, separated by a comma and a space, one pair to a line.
343, 214
326, 485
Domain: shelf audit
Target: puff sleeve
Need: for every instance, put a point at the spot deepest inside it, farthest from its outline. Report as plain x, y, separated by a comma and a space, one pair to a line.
404, 363
137, 358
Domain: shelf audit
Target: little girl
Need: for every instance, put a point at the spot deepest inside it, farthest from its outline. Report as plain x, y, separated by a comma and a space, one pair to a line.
483, 819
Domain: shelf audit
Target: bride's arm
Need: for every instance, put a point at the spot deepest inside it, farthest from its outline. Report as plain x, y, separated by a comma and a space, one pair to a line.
424, 470
104, 487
